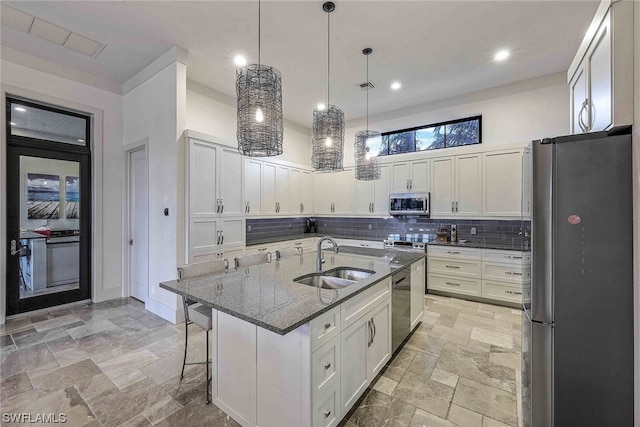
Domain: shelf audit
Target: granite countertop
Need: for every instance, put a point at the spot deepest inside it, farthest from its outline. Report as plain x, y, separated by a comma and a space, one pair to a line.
267, 296
483, 245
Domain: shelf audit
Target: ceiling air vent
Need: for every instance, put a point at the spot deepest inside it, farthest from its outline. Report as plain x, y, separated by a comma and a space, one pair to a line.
366, 85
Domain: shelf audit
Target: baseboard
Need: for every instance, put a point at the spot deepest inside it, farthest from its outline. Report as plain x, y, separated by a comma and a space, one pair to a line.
173, 315
107, 294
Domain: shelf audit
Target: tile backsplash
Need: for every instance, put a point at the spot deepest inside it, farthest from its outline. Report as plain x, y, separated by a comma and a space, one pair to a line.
494, 231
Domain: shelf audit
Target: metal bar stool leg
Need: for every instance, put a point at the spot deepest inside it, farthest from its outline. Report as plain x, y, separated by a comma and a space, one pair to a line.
207, 363
186, 336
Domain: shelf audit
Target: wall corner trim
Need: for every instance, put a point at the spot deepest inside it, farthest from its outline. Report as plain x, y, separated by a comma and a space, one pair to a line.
175, 54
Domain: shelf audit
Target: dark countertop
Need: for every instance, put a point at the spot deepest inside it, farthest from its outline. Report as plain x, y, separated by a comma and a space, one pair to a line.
267, 296
31, 235
483, 245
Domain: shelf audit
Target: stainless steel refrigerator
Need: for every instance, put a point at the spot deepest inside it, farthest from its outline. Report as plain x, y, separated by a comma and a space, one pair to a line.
577, 332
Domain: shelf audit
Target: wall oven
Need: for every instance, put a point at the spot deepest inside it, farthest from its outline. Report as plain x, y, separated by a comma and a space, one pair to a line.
409, 204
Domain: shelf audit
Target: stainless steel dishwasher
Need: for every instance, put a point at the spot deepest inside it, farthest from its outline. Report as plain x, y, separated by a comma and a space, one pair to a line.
400, 307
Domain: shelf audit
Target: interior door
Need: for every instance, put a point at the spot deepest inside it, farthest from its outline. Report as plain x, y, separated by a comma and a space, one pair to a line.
48, 207
138, 225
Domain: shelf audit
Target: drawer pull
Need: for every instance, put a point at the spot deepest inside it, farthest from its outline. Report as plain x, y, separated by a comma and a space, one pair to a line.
453, 252
327, 326
262, 249
513, 293
327, 366
511, 273
452, 284
512, 257
453, 266
327, 413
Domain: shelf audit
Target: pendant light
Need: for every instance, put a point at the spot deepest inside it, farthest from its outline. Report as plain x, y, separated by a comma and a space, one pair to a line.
259, 92
367, 166
328, 123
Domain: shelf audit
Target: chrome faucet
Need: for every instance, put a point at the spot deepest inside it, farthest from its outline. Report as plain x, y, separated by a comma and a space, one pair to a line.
319, 260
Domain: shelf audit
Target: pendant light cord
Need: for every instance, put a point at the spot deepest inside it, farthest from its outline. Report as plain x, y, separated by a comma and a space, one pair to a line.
367, 93
259, 34
328, 57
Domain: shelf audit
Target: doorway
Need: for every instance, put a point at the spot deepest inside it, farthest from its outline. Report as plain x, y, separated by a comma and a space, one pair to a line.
48, 206
138, 223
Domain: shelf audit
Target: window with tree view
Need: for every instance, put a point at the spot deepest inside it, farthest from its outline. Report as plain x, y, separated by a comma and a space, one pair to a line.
453, 133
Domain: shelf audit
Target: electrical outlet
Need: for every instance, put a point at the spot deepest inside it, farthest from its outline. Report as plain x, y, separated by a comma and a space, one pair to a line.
473, 230
369, 226
248, 228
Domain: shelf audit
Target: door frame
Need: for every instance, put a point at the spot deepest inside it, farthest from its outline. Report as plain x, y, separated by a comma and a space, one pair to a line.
97, 119
128, 150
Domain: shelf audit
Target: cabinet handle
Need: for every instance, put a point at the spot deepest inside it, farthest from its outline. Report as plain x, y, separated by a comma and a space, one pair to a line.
452, 284
370, 333
513, 293
221, 206
512, 257
217, 205
581, 123
456, 206
262, 249
452, 206
511, 273
246, 207
453, 252
327, 366
327, 413
222, 235
453, 266
589, 115
218, 242
327, 326
411, 184
374, 330
373, 207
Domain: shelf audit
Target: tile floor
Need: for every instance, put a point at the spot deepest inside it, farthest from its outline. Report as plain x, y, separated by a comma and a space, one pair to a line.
115, 364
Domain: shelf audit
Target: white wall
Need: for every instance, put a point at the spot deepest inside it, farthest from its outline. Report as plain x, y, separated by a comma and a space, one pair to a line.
106, 110
153, 111
214, 113
513, 114
636, 204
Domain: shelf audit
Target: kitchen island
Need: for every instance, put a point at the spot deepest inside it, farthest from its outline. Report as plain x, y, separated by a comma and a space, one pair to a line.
288, 354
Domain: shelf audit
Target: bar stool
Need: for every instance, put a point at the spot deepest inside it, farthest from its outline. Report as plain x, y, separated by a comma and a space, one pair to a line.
197, 313
288, 252
253, 259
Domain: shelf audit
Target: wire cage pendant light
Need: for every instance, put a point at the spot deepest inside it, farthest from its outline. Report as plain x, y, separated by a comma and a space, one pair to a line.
367, 166
327, 152
259, 91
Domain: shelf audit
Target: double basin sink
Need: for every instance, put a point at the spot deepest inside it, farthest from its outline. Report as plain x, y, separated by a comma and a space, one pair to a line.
336, 278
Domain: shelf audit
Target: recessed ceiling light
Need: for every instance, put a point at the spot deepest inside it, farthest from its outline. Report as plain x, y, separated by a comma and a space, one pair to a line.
321, 106
501, 55
396, 85
240, 60
21, 109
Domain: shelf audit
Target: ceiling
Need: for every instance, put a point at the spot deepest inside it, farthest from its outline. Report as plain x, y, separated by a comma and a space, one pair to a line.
436, 49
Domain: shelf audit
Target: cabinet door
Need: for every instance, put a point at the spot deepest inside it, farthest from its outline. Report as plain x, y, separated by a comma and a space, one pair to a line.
527, 183
204, 236
343, 192
599, 59
381, 190
230, 179
578, 89
379, 352
295, 202
63, 263
502, 184
203, 185
232, 232
363, 190
252, 186
306, 192
418, 276
282, 190
468, 181
269, 195
400, 174
323, 193
353, 362
442, 187
420, 175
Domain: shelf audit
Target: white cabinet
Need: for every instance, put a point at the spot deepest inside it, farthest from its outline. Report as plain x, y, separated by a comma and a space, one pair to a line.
372, 197
334, 193
456, 186
253, 186
601, 75
282, 190
306, 192
63, 263
215, 208
269, 197
410, 176
502, 191
295, 200
418, 276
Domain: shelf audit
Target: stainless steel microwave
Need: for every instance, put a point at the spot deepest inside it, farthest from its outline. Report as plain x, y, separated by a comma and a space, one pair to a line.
409, 203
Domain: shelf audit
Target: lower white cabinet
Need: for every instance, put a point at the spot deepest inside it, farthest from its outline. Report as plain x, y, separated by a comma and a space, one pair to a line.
311, 376
63, 263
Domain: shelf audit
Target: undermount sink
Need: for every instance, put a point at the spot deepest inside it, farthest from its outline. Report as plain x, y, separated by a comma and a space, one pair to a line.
336, 278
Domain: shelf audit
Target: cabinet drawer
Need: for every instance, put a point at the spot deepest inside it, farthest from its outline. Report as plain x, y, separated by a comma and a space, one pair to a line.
307, 241
453, 251
462, 267
510, 257
326, 408
258, 249
508, 272
325, 367
356, 307
460, 285
366, 244
503, 291
324, 328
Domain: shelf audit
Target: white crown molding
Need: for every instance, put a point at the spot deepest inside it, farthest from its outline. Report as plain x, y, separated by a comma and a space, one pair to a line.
175, 54
59, 70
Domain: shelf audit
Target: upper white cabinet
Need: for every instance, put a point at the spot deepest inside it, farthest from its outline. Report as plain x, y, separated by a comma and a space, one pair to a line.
410, 176
306, 192
502, 190
252, 186
372, 197
601, 74
334, 193
456, 185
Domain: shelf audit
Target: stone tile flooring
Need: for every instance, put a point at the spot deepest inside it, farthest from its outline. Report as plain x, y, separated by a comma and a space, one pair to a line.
115, 364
